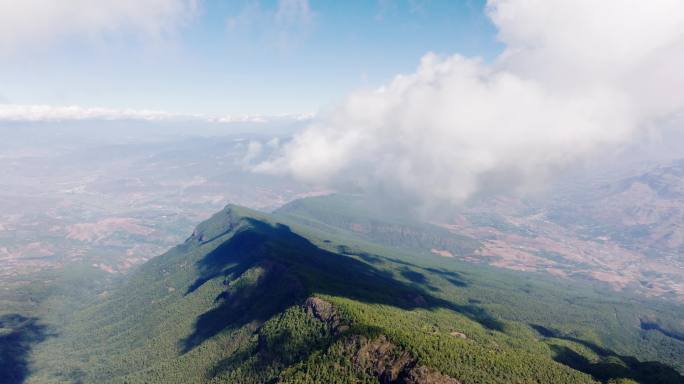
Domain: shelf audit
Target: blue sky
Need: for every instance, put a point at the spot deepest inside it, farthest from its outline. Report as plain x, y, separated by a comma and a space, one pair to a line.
241, 56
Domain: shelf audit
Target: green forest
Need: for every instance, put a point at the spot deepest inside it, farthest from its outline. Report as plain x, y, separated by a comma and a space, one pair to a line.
295, 297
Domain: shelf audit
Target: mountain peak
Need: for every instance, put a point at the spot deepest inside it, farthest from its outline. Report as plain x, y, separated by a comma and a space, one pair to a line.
222, 223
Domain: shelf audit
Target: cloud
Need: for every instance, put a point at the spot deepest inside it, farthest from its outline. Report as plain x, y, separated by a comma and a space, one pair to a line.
36, 113
35, 23
253, 151
576, 77
49, 113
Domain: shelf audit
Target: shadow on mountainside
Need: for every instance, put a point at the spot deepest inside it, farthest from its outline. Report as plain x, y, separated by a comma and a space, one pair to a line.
18, 335
452, 277
610, 365
267, 268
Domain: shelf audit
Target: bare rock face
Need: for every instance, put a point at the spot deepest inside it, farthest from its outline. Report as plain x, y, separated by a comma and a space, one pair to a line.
320, 309
378, 357
390, 363
325, 312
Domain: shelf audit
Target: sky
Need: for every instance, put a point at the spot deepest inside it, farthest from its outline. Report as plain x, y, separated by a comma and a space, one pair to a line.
223, 57
575, 79
429, 101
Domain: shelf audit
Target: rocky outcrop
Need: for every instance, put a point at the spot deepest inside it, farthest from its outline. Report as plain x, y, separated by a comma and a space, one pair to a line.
377, 357
325, 312
390, 363
320, 309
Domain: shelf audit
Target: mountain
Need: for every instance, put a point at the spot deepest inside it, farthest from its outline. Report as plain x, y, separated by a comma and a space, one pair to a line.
303, 296
643, 212
623, 231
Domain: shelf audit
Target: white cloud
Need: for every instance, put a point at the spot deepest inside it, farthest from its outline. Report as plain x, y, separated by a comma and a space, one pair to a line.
576, 77
31, 23
252, 152
49, 113
35, 113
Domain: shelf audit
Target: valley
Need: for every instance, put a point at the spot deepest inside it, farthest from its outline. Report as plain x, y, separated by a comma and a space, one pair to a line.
622, 232
114, 206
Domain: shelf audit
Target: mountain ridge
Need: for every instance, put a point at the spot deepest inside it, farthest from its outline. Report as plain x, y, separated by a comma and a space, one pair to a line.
230, 305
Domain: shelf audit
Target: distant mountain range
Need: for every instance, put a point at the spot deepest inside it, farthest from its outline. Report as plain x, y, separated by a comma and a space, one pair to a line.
626, 232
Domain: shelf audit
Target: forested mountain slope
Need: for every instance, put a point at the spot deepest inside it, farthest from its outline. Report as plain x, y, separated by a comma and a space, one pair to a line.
255, 298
